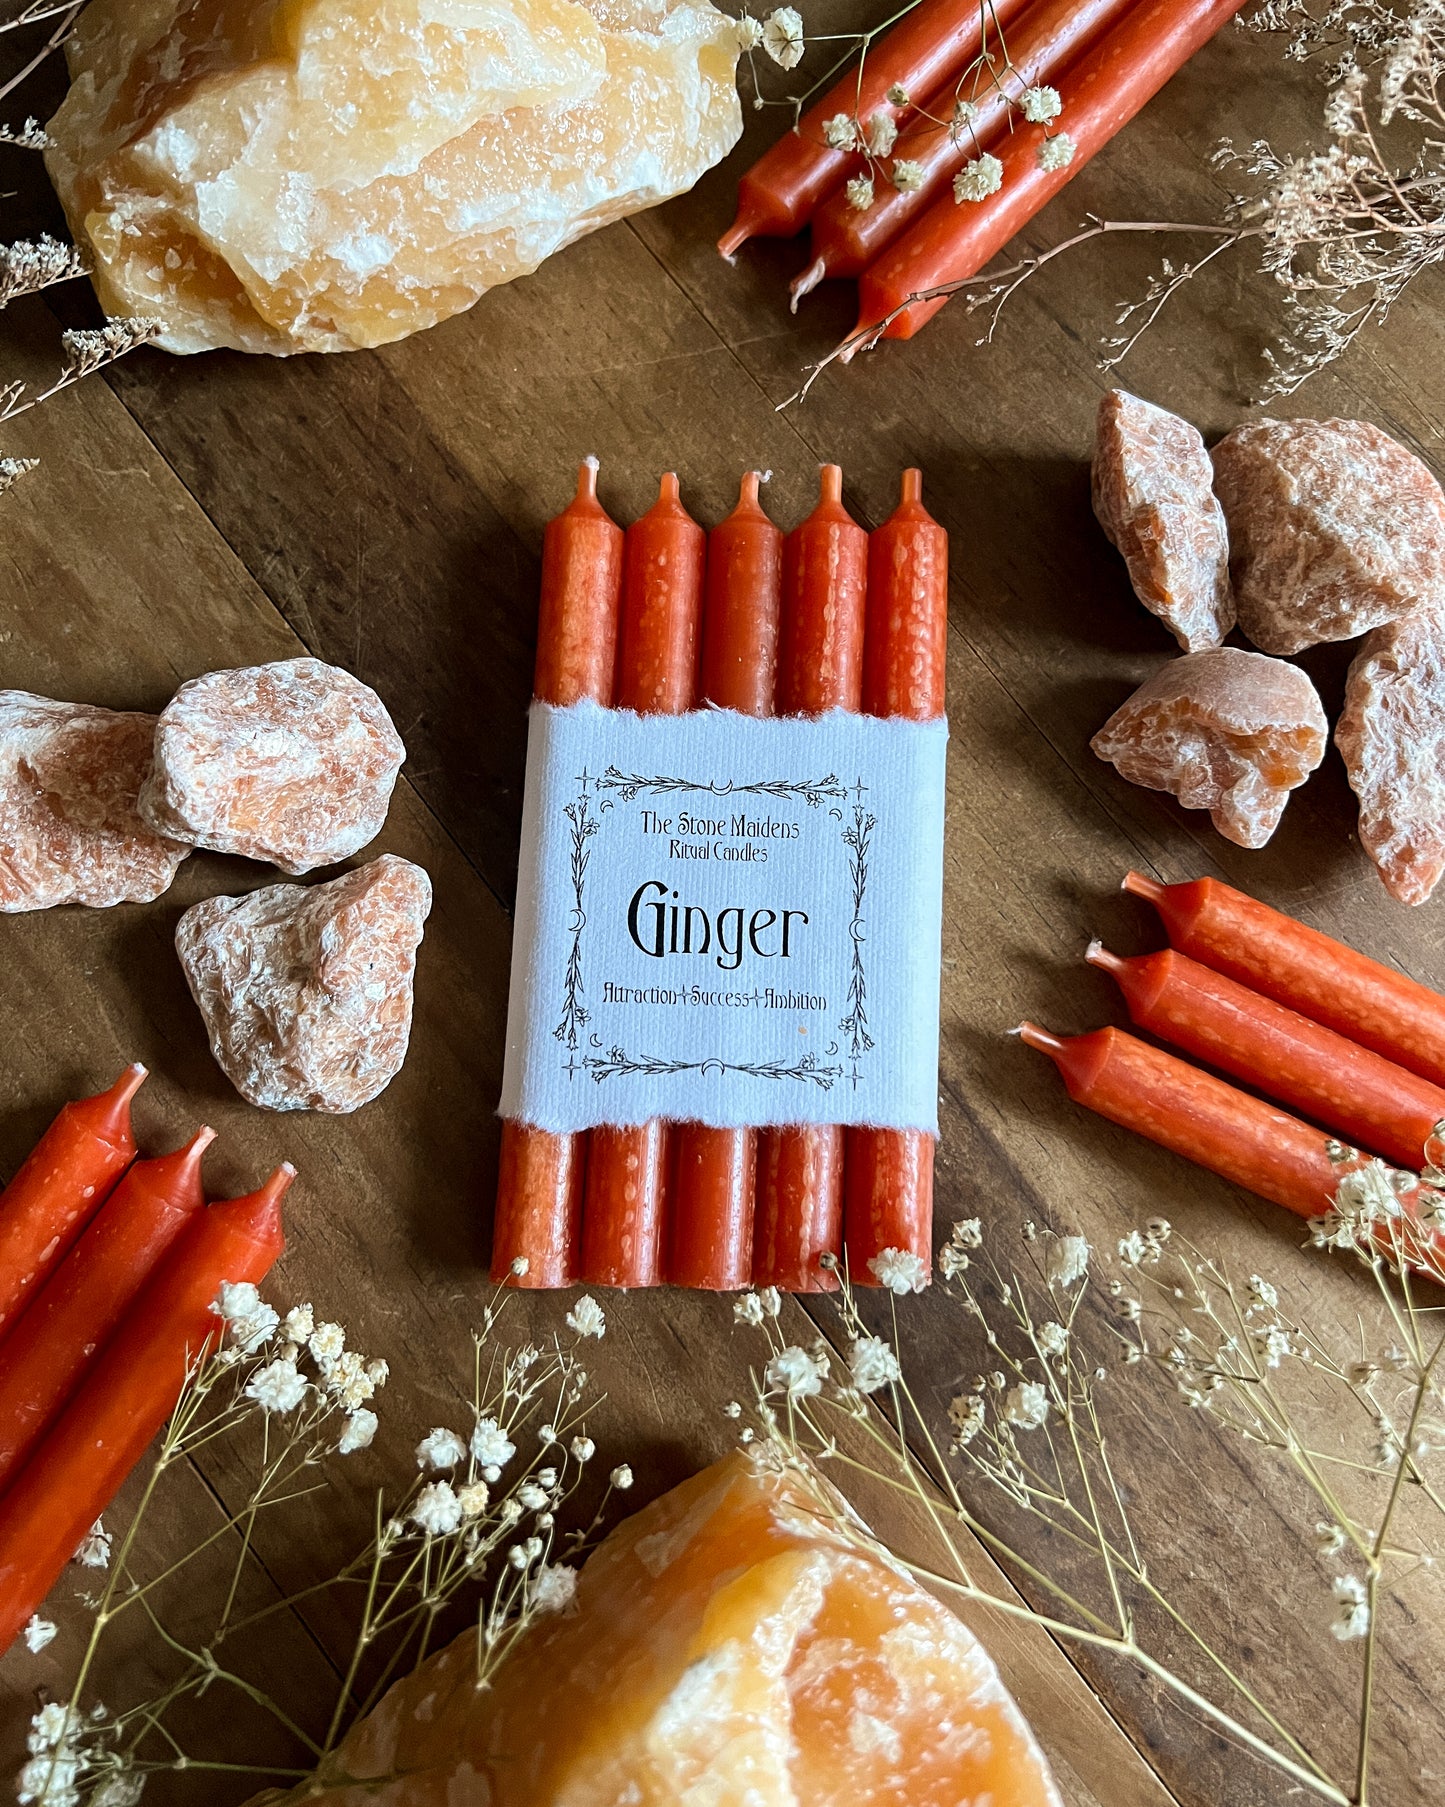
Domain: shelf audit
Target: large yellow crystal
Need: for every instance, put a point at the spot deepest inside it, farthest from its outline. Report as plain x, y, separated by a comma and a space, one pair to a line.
319, 175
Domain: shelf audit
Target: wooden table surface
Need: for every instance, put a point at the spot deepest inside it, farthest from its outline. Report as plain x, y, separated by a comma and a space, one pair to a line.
385, 511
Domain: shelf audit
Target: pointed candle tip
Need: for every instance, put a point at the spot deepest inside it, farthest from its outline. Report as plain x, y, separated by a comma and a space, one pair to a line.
1043, 1039
806, 281
912, 485
736, 236
278, 1185
1098, 955
130, 1082
1139, 886
748, 489
669, 490
830, 482
587, 478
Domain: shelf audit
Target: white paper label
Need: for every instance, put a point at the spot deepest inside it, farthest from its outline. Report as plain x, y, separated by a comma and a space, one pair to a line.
727, 920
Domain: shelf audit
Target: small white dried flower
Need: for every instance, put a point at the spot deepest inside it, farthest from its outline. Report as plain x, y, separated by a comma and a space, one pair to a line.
1057, 152
378, 1372
440, 1449
621, 1477
965, 112
473, 1498
359, 1430
553, 1587
1067, 1260
1053, 1339
1352, 1620
509, 1511
1040, 105
1128, 1309
841, 132
94, 1552
979, 178
50, 1778
235, 1300
872, 1364
750, 32
1133, 1248
583, 1449
966, 1414
898, 95
38, 1633
900, 1270
13, 469
783, 37
298, 1324
1271, 1344
1329, 1538
492, 1448
533, 1497
49, 1727
1026, 1405
907, 175
748, 1309
882, 134
1263, 1293
123, 1790
967, 1233
587, 1317
326, 1342
859, 193
520, 1265
771, 1301
547, 1434
794, 1372
436, 1511
278, 1387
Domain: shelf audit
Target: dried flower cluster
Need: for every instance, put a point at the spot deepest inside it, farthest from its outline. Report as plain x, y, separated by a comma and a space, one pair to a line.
479, 1521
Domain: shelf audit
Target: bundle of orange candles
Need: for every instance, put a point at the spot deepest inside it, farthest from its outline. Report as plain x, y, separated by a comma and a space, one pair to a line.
951, 97
663, 619
1356, 1047
108, 1269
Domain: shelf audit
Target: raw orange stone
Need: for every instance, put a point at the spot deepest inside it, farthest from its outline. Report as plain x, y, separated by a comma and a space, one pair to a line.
292, 762
69, 830
307, 991
1334, 528
1391, 735
1153, 490
1225, 730
724, 1647
322, 175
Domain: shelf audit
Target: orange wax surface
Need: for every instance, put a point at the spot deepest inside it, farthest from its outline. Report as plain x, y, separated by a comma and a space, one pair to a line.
1321, 978
710, 1240
87, 1297
540, 1175
727, 1645
62, 1184
657, 670
127, 1396
1208, 1121
888, 1195
1371, 1102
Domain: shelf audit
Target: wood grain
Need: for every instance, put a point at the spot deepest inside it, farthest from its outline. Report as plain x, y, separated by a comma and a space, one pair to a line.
385, 511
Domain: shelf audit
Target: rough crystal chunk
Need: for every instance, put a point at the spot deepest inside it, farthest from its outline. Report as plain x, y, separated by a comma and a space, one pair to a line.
1153, 489
1334, 528
318, 175
1391, 734
69, 829
1227, 731
292, 762
738, 1643
307, 991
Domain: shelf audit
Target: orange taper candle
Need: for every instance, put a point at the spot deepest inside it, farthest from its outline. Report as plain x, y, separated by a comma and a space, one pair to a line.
820, 667
1296, 965
537, 1224
61, 1186
710, 1212
937, 39
657, 659
1101, 93
130, 1391
88, 1295
888, 1200
846, 239
1358, 1094
1206, 1120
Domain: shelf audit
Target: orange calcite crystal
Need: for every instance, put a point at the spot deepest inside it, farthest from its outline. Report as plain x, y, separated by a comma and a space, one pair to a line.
319, 175
726, 1646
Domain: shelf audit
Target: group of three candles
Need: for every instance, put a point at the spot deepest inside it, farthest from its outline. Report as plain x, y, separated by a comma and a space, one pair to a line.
1352, 1044
949, 81
109, 1267
663, 619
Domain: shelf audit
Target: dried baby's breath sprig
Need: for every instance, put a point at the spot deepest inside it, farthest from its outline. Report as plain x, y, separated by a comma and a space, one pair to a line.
1049, 1336
32, 136
478, 1522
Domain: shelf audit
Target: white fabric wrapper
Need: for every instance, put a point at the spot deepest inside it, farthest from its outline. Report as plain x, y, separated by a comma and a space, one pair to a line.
727, 920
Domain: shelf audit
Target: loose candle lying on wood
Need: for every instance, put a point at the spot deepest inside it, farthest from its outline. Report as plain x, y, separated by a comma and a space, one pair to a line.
657, 659
938, 38
1370, 1101
711, 1208
87, 1297
846, 239
1321, 978
128, 1395
59, 1189
888, 1201
1206, 1120
954, 240
540, 1176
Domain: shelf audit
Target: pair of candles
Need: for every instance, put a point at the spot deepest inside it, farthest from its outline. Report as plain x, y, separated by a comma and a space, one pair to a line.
661, 620
1352, 1044
1107, 58
108, 1270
